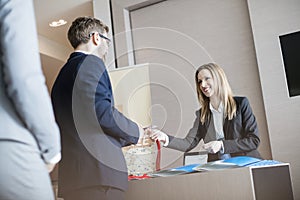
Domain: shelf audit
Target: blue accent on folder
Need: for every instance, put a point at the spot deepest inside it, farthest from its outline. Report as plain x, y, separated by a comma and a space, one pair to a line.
242, 161
265, 163
174, 171
186, 168
230, 163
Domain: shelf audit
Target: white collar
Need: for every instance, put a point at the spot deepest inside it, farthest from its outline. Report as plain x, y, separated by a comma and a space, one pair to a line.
81, 51
219, 110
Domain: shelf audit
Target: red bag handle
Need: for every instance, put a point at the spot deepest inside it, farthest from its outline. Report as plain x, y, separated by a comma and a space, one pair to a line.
158, 156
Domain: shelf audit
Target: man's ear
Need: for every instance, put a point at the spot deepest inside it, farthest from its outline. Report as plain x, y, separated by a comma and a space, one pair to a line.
96, 39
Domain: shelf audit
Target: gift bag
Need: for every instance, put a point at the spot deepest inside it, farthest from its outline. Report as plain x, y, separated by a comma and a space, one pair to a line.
142, 158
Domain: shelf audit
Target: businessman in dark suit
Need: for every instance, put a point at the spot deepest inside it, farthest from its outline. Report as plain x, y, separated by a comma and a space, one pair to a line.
93, 131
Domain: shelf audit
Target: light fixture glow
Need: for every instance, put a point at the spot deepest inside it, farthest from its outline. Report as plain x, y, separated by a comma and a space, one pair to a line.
58, 23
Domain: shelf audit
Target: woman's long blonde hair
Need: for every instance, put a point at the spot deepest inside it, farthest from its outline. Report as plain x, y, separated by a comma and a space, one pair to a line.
222, 89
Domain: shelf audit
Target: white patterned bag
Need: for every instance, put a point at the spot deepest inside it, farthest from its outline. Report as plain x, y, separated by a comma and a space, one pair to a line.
142, 158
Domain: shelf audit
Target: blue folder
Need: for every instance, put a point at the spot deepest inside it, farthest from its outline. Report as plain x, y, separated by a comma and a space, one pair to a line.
186, 168
242, 160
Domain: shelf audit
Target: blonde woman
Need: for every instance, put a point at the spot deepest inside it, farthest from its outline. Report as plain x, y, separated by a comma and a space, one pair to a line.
225, 122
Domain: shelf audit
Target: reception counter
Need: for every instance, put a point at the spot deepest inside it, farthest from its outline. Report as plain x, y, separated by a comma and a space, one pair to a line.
246, 183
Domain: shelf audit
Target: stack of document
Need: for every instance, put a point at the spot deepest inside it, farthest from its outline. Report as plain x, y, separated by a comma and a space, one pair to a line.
234, 162
230, 163
174, 171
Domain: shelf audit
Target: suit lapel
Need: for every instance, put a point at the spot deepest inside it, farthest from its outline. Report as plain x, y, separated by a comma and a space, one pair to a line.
226, 127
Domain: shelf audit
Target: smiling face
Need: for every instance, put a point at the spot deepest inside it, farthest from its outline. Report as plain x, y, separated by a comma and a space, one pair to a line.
206, 83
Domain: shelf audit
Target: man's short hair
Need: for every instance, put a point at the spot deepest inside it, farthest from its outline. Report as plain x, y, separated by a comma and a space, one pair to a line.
81, 29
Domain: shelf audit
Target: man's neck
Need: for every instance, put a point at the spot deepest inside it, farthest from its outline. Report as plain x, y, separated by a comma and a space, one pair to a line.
89, 49
84, 48
81, 51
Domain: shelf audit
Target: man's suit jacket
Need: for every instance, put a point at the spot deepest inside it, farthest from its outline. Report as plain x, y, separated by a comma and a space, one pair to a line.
29, 136
92, 130
26, 113
240, 134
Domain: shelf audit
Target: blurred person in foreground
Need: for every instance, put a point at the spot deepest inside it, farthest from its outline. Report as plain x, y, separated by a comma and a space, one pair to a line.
29, 136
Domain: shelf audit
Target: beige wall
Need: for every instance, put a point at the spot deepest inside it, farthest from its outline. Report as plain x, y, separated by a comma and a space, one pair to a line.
132, 95
269, 19
178, 36
228, 34
52, 71
229, 29
101, 9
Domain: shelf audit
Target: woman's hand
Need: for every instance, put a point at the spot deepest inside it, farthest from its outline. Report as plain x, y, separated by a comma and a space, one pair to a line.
213, 146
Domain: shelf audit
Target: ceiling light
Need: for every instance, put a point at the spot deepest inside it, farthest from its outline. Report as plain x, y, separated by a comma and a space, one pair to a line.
57, 23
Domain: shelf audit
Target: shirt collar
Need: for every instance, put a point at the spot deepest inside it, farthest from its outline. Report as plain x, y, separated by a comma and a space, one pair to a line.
80, 51
219, 110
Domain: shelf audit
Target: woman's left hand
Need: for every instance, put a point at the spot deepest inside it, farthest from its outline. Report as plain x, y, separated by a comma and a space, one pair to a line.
213, 146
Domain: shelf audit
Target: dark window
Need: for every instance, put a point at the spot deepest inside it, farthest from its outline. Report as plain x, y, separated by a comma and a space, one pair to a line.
290, 48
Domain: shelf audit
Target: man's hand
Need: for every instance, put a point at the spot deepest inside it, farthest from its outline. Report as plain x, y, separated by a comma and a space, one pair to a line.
158, 135
50, 167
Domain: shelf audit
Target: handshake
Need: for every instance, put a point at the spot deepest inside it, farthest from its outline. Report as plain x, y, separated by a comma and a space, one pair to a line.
154, 134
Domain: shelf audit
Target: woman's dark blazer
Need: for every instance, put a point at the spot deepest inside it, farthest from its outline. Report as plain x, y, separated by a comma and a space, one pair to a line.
241, 133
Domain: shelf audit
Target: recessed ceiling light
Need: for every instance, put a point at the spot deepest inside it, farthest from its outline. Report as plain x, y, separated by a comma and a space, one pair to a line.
57, 23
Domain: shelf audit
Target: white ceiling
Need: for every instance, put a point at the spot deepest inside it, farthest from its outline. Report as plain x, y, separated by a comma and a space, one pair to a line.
47, 11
